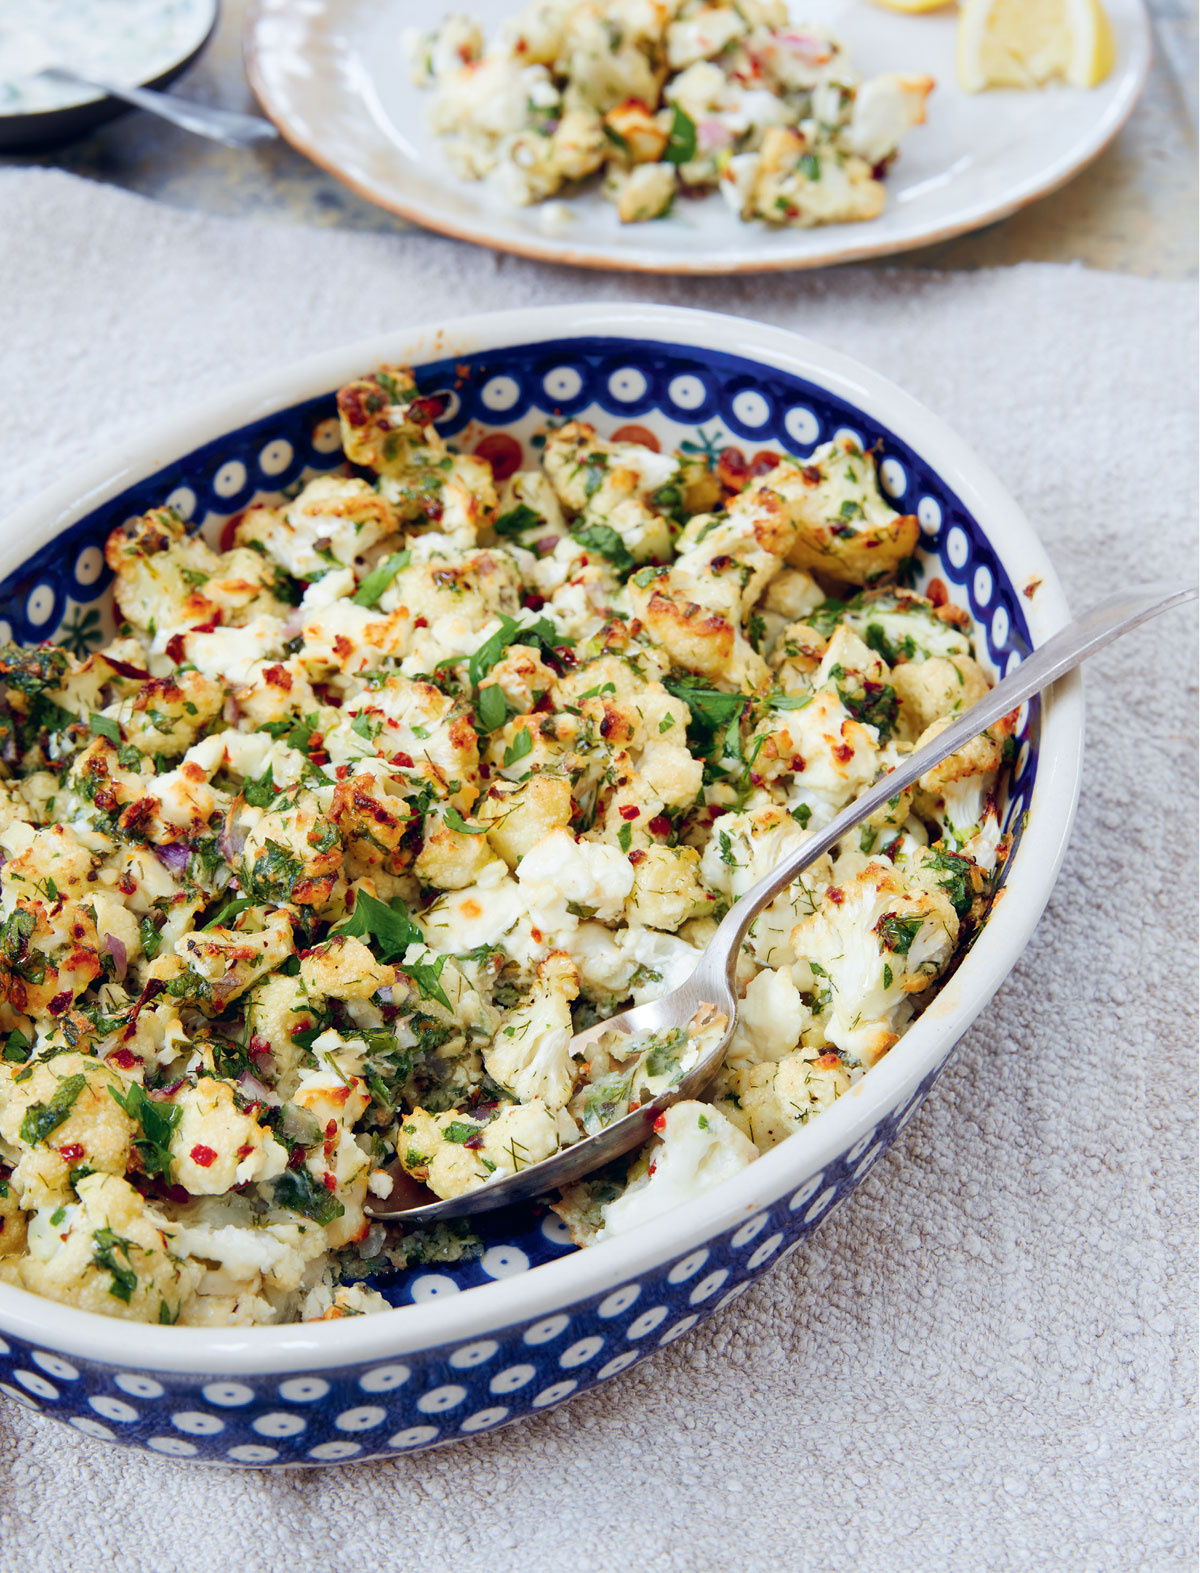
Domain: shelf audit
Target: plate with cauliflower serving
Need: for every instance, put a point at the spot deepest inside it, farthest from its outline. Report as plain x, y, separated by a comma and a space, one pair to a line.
387, 740
674, 135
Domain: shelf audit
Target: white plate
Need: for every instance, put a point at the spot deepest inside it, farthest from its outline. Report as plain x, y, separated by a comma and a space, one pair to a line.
333, 76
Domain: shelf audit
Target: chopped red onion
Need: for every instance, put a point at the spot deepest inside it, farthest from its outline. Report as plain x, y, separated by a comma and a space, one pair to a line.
175, 855
254, 1090
116, 949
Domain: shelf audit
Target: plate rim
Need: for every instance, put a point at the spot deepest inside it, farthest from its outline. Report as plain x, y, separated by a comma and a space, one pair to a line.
551, 248
577, 1277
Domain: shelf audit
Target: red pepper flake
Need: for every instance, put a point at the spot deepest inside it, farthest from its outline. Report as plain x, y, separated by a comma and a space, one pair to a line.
843, 752
637, 856
71, 1153
660, 1123
203, 1157
764, 462
797, 764
210, 627
342, 772
245, 1150
810, 475
175, 648
537, 935
534, 602
502, 452
403, 760
937, 592
328, 1181
421, 622
125, 1058
835, 894
60, 1003
629, 811
732, 469
660, 825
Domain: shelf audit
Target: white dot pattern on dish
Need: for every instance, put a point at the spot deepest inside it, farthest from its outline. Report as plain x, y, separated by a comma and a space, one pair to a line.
196, 1423
730, 1296
440, 1399
515, 1377
749, 1231
504, 1261
331, 1451
230, 478
849, 434
473, 1354
183, 500
21, 1398
303, 1389
580, 1353
687, 392
620, 1300
173, 1446
40, 604
113, 1408
958, 548
860, 1146
500, 394
278, 1424
253, 1453
647, 1322
555, 1230
868, 1160
688, 1267
764, 1252
276, 457
228, 1393
618, 1363
89, 565
483, 1418
384, 1378
429, 1285
929, 514
801, 425
628, 385
555, 1394
327, 436
92, 1428
751, 408
5, 636
414, 1436
982, 585
564, 382
138, 1386
821, 1203
893, 477
1000, 629
808, 1190
35, 1384
543, 1332
708, 1286
54, 1365
684, 1325
364, 1418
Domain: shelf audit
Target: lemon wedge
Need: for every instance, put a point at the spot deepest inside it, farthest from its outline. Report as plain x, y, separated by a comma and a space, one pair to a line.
1026, 43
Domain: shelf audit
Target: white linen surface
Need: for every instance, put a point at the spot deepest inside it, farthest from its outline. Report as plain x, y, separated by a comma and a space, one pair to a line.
985, 1359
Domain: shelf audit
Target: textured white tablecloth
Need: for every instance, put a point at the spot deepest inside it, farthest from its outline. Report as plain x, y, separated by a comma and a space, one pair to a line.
985, 1360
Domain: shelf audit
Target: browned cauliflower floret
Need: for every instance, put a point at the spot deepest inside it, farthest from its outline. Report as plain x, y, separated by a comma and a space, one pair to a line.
58, 1115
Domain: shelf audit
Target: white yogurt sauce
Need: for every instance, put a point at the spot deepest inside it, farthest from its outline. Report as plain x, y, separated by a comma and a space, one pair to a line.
128, 41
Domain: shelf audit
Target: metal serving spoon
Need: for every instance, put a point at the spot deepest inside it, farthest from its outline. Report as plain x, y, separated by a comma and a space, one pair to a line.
219, 125
709, 996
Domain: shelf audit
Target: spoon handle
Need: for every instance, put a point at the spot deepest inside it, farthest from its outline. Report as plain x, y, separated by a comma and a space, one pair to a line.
219, 125
1060, 654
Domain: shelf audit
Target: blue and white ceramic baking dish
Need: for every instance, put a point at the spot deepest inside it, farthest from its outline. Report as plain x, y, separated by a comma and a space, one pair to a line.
532, 1320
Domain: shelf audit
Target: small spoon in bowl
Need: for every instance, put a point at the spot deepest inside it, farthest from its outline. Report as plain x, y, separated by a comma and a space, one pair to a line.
705, 1006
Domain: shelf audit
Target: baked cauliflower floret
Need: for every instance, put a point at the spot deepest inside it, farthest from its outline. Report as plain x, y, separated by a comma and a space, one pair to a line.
216, 1146
770, 1100
529, 1057
519, 815
110, 1252
454, 1152
593, 879
697, 1148
168, 714
871, 943
847, 529
667, 888
61, 1116
344, 968
232, 960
